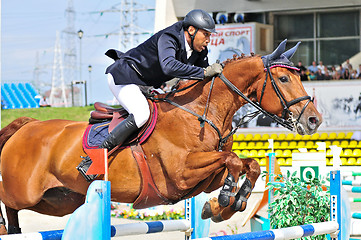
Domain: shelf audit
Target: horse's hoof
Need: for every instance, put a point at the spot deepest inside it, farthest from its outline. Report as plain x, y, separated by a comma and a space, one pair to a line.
223, 200
206, 211
13, 230
217, 218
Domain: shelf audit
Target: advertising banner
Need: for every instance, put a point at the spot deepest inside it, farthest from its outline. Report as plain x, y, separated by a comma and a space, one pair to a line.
339, 103
231, 39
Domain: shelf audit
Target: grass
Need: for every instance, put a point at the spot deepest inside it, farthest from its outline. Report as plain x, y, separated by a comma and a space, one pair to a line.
70, 113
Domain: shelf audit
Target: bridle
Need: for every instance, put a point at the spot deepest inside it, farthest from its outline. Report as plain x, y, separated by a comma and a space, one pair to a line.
289, 123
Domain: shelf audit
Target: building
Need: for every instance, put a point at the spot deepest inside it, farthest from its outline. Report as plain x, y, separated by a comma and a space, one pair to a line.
328, 29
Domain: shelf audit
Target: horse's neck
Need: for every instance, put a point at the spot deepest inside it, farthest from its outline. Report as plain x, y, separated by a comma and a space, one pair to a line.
223, 102
244, 73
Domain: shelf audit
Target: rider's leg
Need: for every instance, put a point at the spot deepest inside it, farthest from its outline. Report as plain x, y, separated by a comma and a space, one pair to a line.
131, 99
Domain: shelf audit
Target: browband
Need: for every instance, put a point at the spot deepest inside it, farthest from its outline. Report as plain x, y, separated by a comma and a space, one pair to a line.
284, 66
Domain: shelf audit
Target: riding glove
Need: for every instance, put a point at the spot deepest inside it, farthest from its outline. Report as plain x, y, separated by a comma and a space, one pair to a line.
212, 70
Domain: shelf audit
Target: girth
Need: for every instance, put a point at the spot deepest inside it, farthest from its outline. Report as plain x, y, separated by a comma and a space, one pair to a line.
149, 194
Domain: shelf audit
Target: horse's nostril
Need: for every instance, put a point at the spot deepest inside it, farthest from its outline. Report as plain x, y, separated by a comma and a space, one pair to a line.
312, 122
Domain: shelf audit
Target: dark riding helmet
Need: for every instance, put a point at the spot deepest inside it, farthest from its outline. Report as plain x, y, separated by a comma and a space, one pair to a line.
199, 19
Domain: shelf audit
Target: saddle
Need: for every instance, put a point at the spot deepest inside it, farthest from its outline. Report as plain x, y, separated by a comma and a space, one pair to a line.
106, 113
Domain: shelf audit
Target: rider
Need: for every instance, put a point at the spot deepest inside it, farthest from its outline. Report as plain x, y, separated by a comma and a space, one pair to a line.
178, 51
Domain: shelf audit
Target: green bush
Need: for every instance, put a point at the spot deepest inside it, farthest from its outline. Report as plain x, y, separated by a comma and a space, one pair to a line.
298, 203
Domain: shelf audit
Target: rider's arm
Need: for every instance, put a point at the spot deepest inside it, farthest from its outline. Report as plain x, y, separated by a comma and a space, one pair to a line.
167, 50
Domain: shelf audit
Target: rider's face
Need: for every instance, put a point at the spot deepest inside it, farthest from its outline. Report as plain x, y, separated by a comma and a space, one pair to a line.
201, 39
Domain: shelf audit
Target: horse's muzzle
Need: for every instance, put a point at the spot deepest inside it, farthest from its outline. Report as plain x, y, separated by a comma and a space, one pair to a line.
309, 127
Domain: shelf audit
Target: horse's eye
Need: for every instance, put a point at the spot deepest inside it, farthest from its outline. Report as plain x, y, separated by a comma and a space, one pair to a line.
283, 79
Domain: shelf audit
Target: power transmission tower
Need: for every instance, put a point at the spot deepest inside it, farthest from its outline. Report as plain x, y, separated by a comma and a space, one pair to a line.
128, 20
58, 94
70, 55
128, 23
36, 73
39, 69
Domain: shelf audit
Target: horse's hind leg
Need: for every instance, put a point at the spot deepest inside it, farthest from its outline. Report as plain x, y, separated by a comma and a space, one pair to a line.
13, 219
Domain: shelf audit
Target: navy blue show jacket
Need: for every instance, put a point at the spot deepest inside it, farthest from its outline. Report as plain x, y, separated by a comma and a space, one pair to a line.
157, 60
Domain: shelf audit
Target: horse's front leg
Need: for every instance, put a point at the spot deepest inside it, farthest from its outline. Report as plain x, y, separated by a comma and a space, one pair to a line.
209, 169
201, 165
214, 209
13, 219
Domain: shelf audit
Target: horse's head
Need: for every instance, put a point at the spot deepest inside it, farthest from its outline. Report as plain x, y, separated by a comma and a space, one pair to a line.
277, 91
283, 82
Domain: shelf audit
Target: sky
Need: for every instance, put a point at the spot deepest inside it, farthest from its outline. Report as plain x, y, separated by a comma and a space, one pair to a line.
28, 35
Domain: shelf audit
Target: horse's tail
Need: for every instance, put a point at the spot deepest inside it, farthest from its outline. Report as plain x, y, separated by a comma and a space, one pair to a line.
10, 129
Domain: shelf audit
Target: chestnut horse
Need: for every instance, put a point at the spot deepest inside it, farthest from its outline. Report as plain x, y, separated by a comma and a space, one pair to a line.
39, 158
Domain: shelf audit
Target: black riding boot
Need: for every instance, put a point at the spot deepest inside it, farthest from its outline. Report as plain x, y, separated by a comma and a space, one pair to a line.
116, 137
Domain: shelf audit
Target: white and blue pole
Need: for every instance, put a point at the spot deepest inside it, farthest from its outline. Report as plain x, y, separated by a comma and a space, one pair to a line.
116, 230
271, 179
335, 202
199, 227
314, 229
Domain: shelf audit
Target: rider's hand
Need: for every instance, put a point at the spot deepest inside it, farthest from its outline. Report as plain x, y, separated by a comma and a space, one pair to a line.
212, 70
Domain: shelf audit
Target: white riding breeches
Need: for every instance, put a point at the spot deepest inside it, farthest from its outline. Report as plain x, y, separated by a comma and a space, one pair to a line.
131, 99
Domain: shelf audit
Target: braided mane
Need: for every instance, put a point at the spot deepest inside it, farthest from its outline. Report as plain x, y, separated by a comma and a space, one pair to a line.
237, 58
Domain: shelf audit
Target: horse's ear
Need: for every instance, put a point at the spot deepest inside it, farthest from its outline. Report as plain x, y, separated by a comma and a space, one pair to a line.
268, 59
279, 50
289, 53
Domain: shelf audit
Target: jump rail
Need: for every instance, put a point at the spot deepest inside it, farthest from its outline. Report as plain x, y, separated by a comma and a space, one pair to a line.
314, 229
351, 182
351, 199
353, 174
98, 198
116, 230
356, 215
352, 189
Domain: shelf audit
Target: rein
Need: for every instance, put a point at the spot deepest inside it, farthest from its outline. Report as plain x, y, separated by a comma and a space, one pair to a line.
201, 118
290, 123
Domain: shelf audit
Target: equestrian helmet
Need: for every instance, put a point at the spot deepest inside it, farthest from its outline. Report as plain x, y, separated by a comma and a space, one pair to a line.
199, 19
